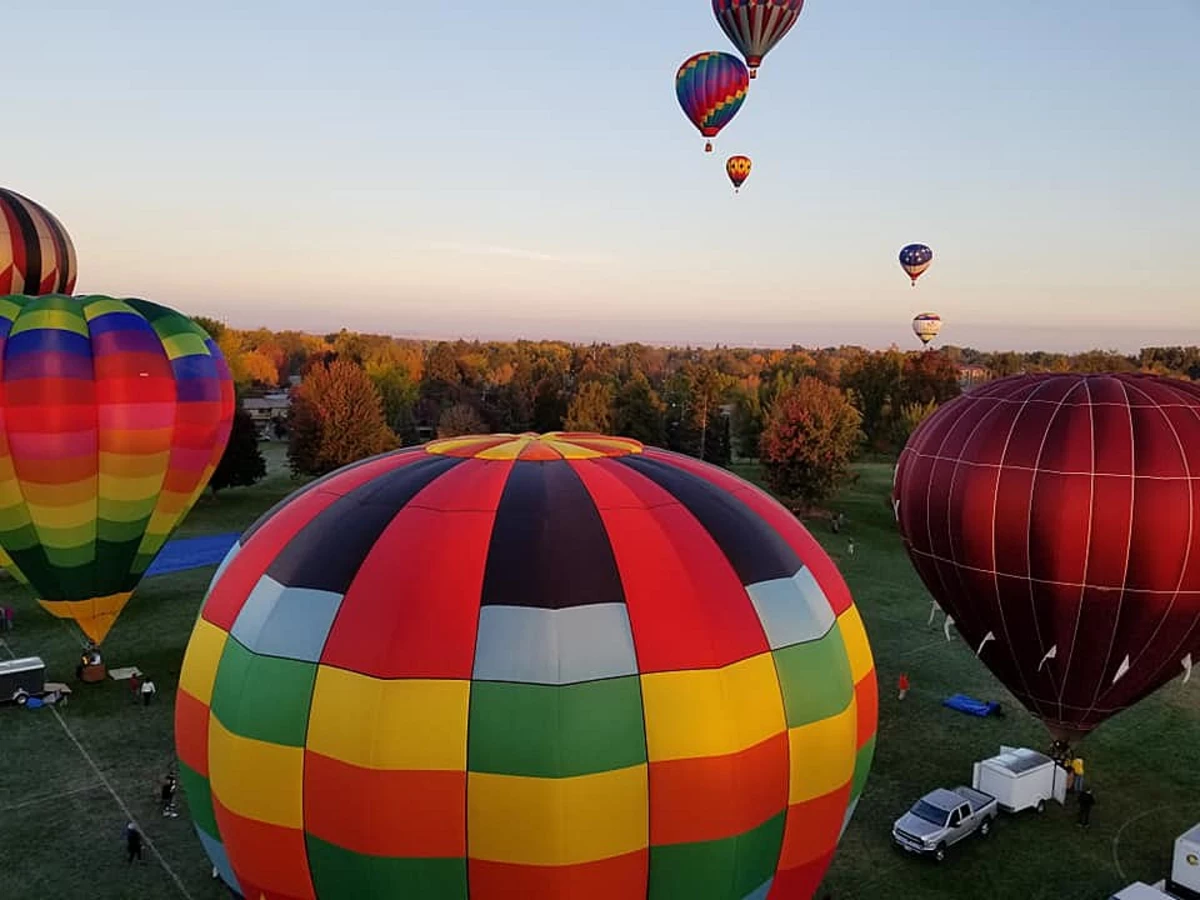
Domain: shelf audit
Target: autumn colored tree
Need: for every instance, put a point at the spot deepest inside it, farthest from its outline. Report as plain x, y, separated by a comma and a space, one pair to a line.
926, 377
242, 464
460, 419
809, 439
638, 412
591, 409
336, 419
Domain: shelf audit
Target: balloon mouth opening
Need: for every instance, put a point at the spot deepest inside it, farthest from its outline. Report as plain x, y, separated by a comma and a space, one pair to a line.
1067, 735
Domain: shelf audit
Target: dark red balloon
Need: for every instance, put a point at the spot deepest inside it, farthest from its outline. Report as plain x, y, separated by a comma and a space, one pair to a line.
1061, 515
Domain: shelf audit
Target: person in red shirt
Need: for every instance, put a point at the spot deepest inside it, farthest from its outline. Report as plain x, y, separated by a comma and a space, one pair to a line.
903, 685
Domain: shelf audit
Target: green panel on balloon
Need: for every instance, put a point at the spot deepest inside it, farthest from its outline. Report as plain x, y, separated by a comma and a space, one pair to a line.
556, 731
120, 531
815, 679
263, 697
199, 799
727, 869
862, 767
339, 874
126, 512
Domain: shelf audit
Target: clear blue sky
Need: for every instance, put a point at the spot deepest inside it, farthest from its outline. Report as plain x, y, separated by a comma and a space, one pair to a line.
522, 169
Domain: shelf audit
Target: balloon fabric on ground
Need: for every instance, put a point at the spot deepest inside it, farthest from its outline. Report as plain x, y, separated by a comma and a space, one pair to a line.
556, 666
711, 88
755, 26
36, 253
115, 414
1057, 514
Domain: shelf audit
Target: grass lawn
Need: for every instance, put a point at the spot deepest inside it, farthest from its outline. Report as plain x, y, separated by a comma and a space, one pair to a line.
60, 824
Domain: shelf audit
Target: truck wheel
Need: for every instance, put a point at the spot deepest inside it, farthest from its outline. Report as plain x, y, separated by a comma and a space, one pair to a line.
940, 853
985, 827
1041, 807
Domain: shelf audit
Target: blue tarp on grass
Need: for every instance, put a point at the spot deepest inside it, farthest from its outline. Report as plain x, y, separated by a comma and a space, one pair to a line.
970, 705
192, 553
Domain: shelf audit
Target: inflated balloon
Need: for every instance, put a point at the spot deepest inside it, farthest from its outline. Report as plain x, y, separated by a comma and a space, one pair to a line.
755, 26
1056, 519
738, 170
915, 259
519, 666
115, 413
927, 326
36, 254
711, 88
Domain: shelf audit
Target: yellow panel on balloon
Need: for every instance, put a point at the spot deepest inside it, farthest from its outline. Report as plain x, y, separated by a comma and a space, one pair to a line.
820, 763
712, 712
557, 821
854, 636
200, 663
255, 779
389, 724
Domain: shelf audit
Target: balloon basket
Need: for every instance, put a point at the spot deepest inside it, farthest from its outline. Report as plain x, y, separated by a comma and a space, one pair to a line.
754, 73
708, 147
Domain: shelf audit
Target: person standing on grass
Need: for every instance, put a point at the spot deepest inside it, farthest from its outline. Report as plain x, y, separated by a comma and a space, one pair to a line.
903, 685
148, 691
1077, 768
133, 842
134, 684
850, 548
168, 796
1086, 801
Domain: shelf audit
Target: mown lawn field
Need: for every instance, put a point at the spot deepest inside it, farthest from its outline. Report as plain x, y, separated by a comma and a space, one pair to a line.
69, 781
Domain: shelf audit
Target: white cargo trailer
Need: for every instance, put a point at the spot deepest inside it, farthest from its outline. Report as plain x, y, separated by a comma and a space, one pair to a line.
1020, 779
1185, 870
16, 675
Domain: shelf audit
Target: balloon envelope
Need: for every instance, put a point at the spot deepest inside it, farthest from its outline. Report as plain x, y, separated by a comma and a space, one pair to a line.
711, 88
1059, 514
36, 253
927, 326
523, 666
115, 413
755, 26
915, 259
738, 169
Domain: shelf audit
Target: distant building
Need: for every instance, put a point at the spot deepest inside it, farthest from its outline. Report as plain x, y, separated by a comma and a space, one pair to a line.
972, 376
268, 410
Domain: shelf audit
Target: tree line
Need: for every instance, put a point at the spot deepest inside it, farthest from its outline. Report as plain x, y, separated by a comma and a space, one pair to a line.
803, 413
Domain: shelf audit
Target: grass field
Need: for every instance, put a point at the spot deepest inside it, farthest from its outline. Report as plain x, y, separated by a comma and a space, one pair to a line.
61, 802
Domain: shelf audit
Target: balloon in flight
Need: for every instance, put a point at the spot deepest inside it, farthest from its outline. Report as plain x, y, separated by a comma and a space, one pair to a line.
36, 253
738, 170
926, 326
755, 26
115, 414
711, 88
915, 259
556, 666
1056, 519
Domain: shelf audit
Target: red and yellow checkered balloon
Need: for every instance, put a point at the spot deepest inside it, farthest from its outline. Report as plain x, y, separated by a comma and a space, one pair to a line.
526, 666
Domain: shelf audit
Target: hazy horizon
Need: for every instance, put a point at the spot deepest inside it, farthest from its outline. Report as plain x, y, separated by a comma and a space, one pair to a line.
523, 169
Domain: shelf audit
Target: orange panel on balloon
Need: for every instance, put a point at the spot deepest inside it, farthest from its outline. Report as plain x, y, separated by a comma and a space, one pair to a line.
813, 828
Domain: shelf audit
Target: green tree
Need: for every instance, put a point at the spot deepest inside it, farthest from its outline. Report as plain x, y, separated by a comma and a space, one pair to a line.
460, 419
912, 415
874, 384
336, 419
810, 437
591, 409
638, 412
399, 395
214, 327
242, 463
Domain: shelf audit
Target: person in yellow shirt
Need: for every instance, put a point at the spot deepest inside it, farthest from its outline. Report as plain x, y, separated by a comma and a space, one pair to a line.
1077, 768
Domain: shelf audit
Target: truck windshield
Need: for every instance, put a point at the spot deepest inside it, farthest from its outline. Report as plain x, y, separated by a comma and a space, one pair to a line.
929, 813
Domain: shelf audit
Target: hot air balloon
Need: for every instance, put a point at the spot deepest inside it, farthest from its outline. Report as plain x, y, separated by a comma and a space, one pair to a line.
755, 26
926, 326
711, 88
915, 259
1055, 519
36, 254
526, 666
115, 413
738, 169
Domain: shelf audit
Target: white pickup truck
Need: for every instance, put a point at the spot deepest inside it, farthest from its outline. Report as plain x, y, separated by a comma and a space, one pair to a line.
942, 818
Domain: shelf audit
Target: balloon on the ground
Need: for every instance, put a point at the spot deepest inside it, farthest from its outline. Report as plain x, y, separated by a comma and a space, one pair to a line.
36, 253
927, 326
115, 414
523, 666
738, 170
915, 259
711, 88
755, 26
1056, 519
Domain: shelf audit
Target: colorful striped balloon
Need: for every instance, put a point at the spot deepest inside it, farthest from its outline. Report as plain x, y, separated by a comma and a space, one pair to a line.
755, 26
523, 666
36, 253
114, 415
711, 88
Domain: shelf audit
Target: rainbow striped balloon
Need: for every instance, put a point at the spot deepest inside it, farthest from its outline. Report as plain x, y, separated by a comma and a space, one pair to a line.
559, 666
36, 253
113, 415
